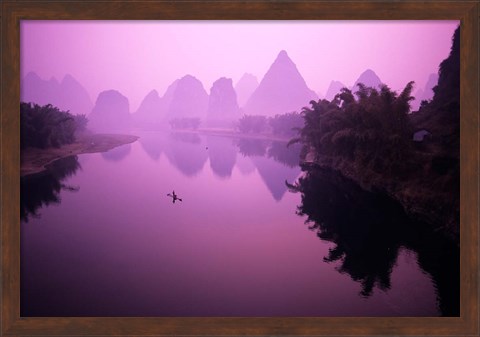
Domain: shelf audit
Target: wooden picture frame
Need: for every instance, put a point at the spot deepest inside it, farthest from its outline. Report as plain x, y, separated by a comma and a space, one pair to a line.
12, 12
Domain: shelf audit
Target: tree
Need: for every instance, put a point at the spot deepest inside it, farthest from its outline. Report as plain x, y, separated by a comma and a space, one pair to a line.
46, 126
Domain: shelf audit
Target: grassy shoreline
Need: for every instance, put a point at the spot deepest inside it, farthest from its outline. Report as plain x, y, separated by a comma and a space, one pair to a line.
34, 160
234, 134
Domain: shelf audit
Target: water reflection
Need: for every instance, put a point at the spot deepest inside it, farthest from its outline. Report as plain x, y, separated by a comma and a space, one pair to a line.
274, 161
118, 153
187, 152
368, 230
223, 154
288, 155
153, 144
274, 174
252, 147
44, 189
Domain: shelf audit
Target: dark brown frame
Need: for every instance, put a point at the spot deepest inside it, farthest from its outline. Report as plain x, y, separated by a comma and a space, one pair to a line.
12, 11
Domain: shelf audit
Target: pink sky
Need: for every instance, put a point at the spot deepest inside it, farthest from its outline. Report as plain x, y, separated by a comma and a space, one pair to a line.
135, 57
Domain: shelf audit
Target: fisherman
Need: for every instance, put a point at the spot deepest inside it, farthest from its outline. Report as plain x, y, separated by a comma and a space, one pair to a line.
174, 197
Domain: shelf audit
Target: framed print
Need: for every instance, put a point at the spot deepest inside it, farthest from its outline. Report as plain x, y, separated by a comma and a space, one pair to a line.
230, 168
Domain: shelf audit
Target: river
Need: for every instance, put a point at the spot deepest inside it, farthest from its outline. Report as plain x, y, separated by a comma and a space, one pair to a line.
100, 237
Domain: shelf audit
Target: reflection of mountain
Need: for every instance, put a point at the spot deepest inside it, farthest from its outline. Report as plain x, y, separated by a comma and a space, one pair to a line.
44, 189
222, 153
368, 230
153, 144
187, 152
274, 175
118, 153
274, 161
245, 165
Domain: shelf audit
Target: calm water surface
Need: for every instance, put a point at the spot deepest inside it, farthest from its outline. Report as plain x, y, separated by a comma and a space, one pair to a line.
99, 237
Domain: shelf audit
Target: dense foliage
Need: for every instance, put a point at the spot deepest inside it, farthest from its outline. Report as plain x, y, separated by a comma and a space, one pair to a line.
47, 126
185, 123
368, 137
286, 124
252, 124
371, 129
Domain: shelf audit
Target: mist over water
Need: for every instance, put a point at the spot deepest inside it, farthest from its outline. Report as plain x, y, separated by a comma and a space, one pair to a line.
104, 239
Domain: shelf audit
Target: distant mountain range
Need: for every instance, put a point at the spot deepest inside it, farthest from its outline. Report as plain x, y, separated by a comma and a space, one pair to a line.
333, 89
369, 79
110, 113
281, 90
245, 88
426, 93
68, 94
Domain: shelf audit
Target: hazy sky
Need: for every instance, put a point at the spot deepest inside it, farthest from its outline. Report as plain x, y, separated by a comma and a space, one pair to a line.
135, 57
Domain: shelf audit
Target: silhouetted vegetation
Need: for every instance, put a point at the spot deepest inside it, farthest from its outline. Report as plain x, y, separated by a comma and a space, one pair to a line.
286, 124
369, 229
81, 122
44, 189
252, 124
185, 123
368, 137
47, 126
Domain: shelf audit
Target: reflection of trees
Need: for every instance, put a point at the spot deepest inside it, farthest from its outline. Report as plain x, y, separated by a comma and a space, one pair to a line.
44, 189
187, 152
222, 154
252, 147
117, 154
289, 156
368, 230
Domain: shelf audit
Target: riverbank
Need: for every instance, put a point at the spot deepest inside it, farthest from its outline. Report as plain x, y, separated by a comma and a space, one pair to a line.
234, 134
423, 197
34, 160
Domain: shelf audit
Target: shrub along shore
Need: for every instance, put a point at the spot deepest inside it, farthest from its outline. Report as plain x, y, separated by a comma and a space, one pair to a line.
35, 160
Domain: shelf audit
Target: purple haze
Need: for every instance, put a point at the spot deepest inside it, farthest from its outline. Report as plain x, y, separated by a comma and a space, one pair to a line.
137, 57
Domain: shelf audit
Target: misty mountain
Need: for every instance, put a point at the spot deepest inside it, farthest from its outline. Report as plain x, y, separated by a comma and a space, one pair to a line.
369, 79
167, 97
189, 99
69, 94
281, 90
150, 111
110, 113
245, 88
333, 89
222, 104
426, 93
